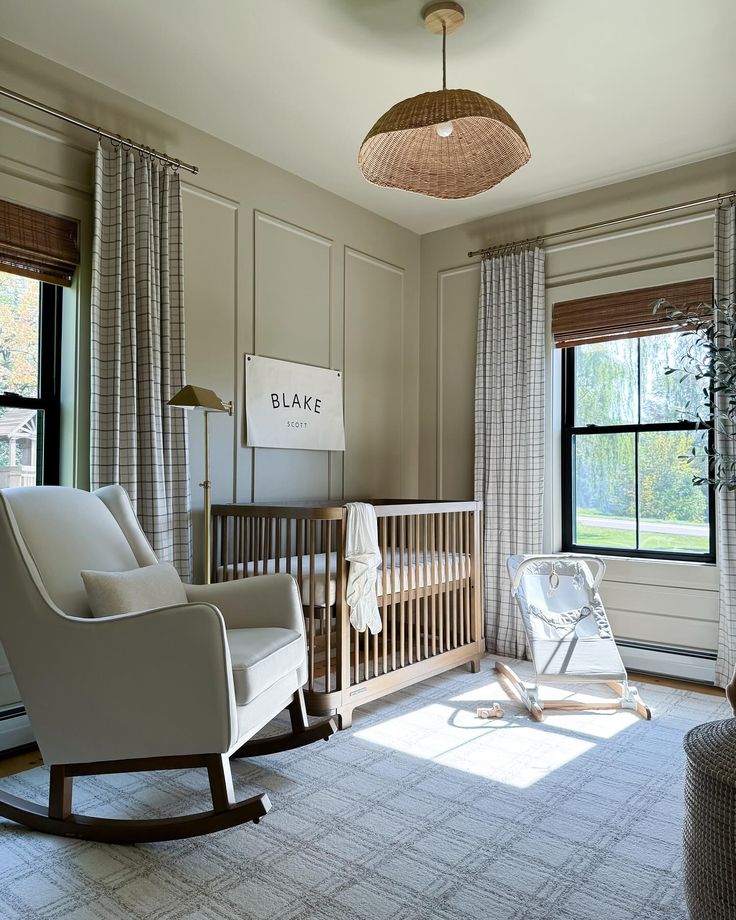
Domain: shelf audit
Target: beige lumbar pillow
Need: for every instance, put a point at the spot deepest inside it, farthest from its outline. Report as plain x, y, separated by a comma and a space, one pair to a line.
151, 586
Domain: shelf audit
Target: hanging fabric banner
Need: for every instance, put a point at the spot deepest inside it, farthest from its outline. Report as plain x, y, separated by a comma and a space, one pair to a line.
292, 405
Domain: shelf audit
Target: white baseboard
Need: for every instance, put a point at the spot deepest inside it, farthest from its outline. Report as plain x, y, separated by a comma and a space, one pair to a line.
15, 732
665, 662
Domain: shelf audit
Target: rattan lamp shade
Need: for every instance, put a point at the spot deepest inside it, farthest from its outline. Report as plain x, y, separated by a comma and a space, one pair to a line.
403, 149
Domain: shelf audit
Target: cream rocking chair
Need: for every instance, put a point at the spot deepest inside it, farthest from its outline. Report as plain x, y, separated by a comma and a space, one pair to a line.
164, 689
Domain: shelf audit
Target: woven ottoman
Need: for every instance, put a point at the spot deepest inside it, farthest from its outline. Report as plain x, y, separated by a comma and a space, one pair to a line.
709, 836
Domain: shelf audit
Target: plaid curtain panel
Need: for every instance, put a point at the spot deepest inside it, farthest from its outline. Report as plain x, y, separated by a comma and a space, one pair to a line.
137, 347
509, 431
725, 289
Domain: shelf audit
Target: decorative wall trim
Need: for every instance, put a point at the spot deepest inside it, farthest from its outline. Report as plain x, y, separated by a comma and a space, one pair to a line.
682, 257
439, 427
350, 252
208, 195
261, 217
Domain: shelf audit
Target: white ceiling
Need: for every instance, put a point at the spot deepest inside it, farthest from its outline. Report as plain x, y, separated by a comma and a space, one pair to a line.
603, 90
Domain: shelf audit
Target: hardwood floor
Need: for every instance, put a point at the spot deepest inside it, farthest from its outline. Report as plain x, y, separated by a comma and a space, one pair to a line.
27, 760
17, 763
677, 684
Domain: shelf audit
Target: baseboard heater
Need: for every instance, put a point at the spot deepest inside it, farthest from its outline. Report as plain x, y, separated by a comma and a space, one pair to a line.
698, 665
15, 729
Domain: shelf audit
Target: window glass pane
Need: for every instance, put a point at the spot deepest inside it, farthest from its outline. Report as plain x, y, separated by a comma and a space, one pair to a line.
20, 300
605, 487
19, 460
666, 397
673, 512
606, 383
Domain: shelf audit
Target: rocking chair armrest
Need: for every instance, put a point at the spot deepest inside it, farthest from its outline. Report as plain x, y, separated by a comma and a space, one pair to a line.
263, 600
153, 683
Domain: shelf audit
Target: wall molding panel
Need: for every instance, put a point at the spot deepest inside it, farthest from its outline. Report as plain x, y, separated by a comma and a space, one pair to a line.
292, 321
459, 306
374, 378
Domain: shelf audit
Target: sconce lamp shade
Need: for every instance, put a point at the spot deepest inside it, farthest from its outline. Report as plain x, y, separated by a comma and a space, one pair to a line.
191, 397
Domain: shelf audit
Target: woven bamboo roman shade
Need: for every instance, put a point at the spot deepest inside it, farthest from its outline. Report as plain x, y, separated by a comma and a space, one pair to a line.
627, 314
38, 245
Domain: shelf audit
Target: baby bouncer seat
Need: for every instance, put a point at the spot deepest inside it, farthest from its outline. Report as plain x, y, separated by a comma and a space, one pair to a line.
570, 638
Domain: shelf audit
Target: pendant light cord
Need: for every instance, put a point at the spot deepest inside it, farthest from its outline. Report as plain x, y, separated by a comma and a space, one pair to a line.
444, 61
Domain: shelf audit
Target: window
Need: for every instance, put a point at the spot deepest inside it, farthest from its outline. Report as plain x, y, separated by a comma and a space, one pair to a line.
627, 426
30, 339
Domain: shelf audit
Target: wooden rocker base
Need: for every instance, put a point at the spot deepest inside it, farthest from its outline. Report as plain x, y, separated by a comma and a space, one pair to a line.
517, 689
301, 733
287, 741
120, 830
59, 819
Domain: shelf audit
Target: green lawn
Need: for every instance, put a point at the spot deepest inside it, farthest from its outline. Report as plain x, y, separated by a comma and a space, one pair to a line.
588, 535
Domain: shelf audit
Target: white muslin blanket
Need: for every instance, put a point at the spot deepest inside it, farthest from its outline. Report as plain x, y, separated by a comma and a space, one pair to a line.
364, 555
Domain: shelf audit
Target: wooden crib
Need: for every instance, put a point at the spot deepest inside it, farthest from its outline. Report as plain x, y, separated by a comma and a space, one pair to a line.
429, 590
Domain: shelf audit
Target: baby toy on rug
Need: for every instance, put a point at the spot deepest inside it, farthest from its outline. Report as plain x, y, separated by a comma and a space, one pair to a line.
489, 712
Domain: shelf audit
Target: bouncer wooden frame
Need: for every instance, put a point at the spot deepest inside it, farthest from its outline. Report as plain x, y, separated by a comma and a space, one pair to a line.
627, 697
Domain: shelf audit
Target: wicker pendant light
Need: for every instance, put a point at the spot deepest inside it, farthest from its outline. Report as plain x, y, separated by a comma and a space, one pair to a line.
453, 143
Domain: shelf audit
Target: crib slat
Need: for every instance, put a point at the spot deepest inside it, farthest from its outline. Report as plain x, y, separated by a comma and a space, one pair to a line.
479, 617
446, 569
241, 540
393, 592
383, 527
300, 525
409, 588
417, 590
277, 546
244, 546
375, 655
451, 572
356, 655
439, 582
246, 550
342, 637
466, 574
311, 603
402, 586
425, 583
288, 522
375, 637
223, 538
327, 614
460, 580
434, 582
268, 555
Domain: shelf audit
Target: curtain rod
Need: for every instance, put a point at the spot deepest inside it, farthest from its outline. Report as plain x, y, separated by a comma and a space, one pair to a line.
127, 142
599, 225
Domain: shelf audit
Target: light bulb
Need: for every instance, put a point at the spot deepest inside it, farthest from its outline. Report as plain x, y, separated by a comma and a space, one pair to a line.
445, 129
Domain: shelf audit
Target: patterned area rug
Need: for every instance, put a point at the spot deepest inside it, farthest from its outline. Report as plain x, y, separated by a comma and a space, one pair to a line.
420, 812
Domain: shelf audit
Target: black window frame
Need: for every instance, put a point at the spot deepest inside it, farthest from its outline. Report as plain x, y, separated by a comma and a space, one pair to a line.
48, 432
567, 460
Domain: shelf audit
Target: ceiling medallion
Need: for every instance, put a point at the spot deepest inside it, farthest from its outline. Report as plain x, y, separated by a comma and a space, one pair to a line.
452, 143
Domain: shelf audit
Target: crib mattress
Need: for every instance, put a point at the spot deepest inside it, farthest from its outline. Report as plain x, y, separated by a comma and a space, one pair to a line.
407, 571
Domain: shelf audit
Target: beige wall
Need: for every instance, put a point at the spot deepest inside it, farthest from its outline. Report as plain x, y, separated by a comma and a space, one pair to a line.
668, 603
273, 265
278, 266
